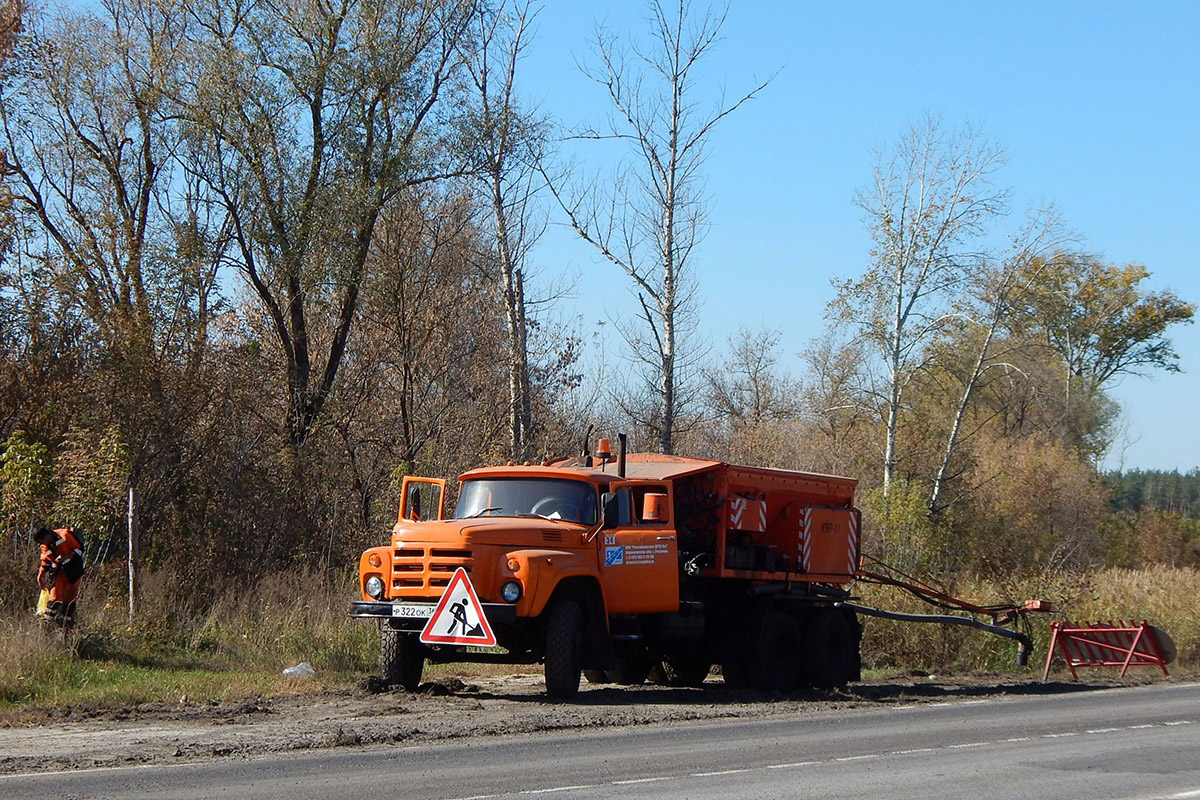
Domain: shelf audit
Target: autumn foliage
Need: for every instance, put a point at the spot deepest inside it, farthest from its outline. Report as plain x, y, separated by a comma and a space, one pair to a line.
254, 274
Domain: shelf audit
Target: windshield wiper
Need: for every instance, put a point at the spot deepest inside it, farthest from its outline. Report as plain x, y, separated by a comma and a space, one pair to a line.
483, 511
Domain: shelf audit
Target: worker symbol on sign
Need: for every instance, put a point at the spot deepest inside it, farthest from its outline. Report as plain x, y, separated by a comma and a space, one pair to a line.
458, 610
458, 618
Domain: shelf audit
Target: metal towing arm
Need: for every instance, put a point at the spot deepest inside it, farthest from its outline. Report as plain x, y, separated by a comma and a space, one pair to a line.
1000, 614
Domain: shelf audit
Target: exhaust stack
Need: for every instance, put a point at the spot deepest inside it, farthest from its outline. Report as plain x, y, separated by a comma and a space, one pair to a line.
586, 455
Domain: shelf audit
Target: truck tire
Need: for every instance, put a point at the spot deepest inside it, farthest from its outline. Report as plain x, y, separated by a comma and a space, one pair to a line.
401, 659
564, 649
775, 663
830, 658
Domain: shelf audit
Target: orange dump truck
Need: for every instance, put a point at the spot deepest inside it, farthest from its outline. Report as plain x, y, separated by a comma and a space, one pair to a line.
622, 569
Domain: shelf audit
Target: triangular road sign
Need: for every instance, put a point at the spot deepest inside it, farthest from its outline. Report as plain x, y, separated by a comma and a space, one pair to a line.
459, 618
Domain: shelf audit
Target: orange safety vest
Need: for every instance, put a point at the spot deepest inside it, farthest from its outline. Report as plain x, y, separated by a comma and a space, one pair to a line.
64, 550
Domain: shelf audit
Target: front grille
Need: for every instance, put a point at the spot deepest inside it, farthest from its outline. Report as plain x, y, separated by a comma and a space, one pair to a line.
418, 571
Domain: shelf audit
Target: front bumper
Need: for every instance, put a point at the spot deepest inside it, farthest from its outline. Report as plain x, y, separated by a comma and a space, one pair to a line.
497, 614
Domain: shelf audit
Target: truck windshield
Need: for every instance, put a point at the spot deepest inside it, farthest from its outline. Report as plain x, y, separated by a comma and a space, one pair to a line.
551, 498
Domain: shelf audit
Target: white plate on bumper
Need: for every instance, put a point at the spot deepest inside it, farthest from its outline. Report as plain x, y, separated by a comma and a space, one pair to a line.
412, 610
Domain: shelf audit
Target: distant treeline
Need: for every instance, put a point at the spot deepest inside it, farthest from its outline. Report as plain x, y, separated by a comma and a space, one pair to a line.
1156, 490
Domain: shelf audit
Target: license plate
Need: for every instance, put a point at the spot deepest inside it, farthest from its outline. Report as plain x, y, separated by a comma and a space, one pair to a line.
414, 611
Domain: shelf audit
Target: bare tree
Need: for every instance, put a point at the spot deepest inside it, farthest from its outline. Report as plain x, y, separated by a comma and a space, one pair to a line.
509, 148
310, 118
440, 373
89, 150
650, 221
930, 200
11, 12
10, 25
748, 389
92, 165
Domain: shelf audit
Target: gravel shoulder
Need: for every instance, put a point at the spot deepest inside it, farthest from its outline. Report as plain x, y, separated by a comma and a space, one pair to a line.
157, 733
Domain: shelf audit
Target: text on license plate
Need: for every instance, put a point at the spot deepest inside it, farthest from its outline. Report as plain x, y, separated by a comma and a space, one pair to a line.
418, 611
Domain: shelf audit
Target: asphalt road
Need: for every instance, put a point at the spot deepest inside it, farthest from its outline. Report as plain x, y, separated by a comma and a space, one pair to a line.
1141, 742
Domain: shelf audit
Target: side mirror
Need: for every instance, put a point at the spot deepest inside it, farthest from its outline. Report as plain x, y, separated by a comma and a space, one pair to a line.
609, 510
413, 506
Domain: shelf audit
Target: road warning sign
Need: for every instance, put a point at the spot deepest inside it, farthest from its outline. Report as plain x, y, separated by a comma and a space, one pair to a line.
458, 618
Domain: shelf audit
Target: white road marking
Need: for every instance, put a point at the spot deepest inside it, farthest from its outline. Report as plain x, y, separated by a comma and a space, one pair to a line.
865, 756
718, 772
643, 780
558, 789
1187, 795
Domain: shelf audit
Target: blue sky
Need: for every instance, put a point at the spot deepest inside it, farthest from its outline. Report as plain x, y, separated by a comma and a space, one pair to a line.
1097, 105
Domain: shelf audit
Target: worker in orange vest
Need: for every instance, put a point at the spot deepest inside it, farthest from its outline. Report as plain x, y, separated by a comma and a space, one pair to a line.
60, 571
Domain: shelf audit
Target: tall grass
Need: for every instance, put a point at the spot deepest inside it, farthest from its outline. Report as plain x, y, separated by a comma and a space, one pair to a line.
1164, 596
232, 642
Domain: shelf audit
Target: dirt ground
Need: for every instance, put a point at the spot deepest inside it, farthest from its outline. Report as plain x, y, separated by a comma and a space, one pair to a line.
449, 708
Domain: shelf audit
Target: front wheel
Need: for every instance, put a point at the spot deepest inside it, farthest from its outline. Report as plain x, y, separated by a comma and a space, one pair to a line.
401, 659
564, 649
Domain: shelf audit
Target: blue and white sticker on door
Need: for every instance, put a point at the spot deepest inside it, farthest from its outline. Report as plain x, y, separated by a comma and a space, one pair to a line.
614, 556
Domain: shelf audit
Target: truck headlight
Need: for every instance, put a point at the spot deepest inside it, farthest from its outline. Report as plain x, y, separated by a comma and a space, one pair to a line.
374, 586
510, 592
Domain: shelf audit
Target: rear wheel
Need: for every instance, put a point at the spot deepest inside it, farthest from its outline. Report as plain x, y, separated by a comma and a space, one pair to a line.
401, 659
776, 660
831, 657
564, 650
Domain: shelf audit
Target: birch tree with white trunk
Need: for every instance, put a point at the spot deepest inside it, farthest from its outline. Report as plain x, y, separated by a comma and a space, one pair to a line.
510, 145
928, 205
993, 295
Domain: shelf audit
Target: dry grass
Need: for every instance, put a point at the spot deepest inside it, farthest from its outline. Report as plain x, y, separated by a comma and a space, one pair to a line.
1163, 596
235, 642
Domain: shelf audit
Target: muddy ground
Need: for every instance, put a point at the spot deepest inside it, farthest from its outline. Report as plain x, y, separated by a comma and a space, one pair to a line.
49, 739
